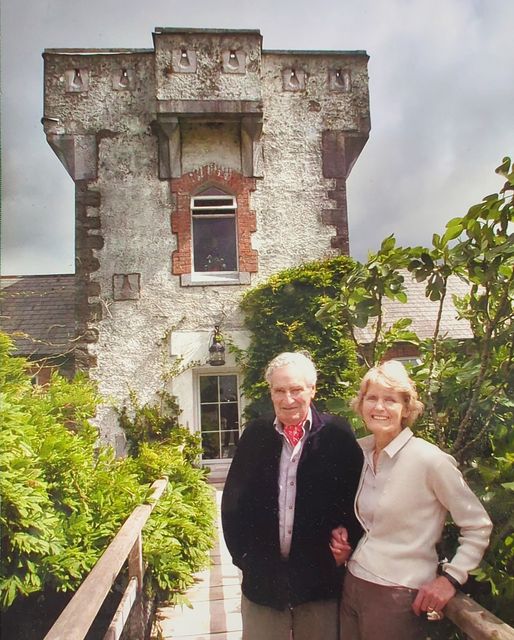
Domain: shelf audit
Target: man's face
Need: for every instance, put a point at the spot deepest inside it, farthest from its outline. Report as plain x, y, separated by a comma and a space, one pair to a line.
290, 394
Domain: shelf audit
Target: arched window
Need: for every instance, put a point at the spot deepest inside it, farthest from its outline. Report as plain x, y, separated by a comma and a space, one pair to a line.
214, 226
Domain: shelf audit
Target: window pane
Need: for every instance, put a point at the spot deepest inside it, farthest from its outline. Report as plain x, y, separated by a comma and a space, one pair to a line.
209, 417
210, 444
228, 388
200, 203
214, 243
209, 389
229, 416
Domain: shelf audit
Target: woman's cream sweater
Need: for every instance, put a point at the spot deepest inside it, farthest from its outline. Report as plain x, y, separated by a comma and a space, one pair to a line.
423, 486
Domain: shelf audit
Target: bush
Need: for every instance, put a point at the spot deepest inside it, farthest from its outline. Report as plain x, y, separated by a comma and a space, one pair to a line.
64, 497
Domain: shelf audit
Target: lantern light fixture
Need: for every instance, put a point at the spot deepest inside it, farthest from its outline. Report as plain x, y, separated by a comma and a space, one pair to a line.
216, 348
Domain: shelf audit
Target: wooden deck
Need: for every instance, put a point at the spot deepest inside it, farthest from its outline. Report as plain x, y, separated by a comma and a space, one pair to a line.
216, 600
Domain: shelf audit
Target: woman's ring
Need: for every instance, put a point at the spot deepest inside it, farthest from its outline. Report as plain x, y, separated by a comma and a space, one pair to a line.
434, 615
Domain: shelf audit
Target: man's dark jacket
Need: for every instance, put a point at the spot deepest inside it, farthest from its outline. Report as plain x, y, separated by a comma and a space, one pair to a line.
327, 478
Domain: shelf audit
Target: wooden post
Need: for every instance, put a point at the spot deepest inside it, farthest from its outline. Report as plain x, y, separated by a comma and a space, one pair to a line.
136, 625
135, 562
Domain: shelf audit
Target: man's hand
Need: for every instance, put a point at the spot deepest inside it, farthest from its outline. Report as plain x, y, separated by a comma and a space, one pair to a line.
339, 546
433, 597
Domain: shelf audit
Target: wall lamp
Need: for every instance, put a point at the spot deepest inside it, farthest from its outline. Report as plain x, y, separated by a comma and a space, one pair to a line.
216, 348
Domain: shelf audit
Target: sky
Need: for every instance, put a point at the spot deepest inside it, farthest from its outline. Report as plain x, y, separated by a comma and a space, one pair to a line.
441, 97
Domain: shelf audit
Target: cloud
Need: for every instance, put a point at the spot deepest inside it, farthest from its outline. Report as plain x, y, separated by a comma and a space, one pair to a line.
441, 91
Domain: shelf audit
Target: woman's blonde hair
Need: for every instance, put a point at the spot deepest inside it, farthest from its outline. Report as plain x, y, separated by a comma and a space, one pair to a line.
391, 374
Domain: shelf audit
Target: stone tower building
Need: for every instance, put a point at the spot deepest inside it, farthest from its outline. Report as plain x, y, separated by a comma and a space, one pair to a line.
201, 167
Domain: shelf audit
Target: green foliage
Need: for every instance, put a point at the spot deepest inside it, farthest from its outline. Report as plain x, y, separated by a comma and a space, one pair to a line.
181, 529
466, 385
361, 295
149, 422
281, 315
64, 497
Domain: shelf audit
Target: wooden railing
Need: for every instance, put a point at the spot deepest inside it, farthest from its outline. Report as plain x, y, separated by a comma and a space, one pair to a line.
76, 619
475, 621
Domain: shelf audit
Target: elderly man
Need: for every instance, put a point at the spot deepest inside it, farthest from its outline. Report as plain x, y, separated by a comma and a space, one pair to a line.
293, 479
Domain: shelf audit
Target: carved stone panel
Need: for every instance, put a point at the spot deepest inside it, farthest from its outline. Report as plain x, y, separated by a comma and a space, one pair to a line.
126, 286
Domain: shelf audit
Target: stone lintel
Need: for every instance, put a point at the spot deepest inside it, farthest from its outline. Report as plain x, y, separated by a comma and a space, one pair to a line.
195, 108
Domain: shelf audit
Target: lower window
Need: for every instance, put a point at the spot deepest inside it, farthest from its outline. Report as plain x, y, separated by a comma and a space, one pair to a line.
219, 415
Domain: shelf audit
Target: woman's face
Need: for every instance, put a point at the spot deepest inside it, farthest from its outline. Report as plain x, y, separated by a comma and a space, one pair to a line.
383, 409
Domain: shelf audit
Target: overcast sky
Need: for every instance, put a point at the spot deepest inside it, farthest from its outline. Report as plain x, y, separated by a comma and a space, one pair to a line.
441, 93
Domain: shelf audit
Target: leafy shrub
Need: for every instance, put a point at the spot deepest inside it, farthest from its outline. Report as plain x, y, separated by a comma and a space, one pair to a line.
64, 497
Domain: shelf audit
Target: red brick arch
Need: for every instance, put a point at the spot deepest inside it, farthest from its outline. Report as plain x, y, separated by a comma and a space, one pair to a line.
228, 180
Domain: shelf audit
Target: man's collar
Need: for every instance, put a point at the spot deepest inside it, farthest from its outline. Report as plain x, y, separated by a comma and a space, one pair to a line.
306, 424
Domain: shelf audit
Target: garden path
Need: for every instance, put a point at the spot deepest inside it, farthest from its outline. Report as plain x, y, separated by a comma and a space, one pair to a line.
216, 600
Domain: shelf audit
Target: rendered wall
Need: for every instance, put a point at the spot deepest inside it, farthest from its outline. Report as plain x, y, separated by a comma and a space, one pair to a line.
124, 146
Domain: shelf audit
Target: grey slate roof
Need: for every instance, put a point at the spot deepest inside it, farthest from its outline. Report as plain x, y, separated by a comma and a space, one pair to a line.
423, 312
38, 312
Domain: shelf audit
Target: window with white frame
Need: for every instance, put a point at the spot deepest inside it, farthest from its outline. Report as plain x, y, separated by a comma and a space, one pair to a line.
214, 231
219, 415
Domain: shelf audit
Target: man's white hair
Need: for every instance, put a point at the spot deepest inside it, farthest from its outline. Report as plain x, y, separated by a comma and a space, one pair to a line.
297, 359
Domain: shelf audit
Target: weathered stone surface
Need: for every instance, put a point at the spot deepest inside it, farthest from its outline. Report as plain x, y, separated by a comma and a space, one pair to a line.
200, 99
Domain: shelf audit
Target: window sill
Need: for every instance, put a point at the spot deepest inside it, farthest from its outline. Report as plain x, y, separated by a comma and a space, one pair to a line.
214, 278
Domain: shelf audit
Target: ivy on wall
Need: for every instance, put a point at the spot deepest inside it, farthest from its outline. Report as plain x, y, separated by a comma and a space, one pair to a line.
281, 316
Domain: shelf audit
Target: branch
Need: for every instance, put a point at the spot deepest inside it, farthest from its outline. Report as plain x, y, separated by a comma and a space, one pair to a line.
459, 454
485, 359
435, 343
378, 329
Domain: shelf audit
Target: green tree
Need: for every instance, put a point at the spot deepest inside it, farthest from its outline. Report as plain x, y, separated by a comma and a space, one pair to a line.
467, 385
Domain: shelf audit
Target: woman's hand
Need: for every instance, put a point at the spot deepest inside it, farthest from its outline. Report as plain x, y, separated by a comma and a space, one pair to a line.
433, 597
339, 546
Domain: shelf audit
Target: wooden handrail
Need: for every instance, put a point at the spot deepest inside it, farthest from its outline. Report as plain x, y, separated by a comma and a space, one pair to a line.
76, 619
475, 621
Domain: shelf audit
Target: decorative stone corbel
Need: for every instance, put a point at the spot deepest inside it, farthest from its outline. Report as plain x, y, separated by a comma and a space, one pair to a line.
340, 150
252, 162
167, 130
77, 152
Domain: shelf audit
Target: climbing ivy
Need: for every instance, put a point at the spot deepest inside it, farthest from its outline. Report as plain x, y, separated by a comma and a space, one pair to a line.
281, 316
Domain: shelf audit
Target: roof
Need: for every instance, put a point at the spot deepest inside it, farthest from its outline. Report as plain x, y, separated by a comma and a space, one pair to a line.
423, 312
39, 313
194, 30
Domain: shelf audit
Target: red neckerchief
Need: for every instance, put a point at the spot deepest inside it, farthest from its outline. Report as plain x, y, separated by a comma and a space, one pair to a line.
294, 433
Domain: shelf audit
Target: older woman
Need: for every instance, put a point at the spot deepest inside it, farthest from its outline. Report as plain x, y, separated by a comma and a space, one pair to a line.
406, 489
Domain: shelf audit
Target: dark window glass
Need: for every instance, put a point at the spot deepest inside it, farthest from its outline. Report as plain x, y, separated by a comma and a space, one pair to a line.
219, 415
214, 244
209, 389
